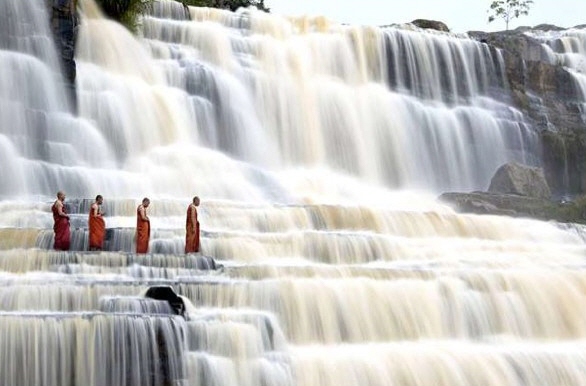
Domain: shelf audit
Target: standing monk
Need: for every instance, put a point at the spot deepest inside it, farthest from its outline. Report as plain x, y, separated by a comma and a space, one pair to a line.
143, 227
61, 224
97, 225
192, 227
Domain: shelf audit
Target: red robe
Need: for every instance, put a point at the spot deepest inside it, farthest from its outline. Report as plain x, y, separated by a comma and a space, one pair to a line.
61, 229
97, 231
143, 232
191, 231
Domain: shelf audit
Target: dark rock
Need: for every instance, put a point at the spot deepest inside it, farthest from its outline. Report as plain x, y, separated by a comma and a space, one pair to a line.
515, 178
431, 24
165, 292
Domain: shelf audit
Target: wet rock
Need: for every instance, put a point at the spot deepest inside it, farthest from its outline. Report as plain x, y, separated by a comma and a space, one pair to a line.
497, 204
64, 27
166, 293
517, 206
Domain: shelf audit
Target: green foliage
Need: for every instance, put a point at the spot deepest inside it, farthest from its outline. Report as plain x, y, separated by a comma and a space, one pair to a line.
130, 18
508, 10
128, 12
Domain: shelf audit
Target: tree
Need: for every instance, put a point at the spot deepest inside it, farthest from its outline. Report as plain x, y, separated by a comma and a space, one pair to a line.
508, 10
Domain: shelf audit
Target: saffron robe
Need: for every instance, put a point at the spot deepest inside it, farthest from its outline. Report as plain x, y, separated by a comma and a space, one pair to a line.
61, 229
143, 232
191, 231
97, 227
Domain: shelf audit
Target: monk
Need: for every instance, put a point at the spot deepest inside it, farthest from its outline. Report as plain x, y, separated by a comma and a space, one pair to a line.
61, 224
143, 227
192, 227
97, 225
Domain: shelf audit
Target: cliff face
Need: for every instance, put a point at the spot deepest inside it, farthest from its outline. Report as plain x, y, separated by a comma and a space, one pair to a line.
546, 70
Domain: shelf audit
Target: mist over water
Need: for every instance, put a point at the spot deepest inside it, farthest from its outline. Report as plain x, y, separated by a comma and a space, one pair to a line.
318, 150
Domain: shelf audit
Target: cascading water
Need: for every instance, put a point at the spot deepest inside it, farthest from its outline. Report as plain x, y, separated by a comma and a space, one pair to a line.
568, 48
317, 150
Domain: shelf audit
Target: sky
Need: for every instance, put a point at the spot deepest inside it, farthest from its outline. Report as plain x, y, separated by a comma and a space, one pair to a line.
459, 15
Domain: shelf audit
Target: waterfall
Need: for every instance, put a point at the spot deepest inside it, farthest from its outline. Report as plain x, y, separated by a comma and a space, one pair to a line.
318, 151
568, 48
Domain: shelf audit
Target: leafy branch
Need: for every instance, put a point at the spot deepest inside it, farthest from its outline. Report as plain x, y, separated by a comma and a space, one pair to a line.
508, 10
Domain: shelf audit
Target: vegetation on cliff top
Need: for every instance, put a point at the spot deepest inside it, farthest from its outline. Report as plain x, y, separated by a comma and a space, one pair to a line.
128, 12
232, 5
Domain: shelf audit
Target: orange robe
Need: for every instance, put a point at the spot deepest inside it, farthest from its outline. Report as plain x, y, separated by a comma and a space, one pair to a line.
143, 233
97, 232
191, 231
61, 229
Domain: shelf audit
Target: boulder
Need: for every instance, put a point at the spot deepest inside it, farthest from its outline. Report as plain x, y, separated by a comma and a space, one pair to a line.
523, 180
431, 24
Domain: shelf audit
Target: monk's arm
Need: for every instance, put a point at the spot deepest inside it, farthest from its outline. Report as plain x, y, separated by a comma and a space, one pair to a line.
60, 210
95, 210
143, 215
194, 218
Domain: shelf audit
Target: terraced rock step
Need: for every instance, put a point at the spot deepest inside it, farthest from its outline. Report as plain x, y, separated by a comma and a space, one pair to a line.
25, 260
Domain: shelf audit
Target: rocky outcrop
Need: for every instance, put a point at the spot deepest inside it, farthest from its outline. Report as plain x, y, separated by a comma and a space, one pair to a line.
523, 180
517, 206
544, 90
431, 24
494, 203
